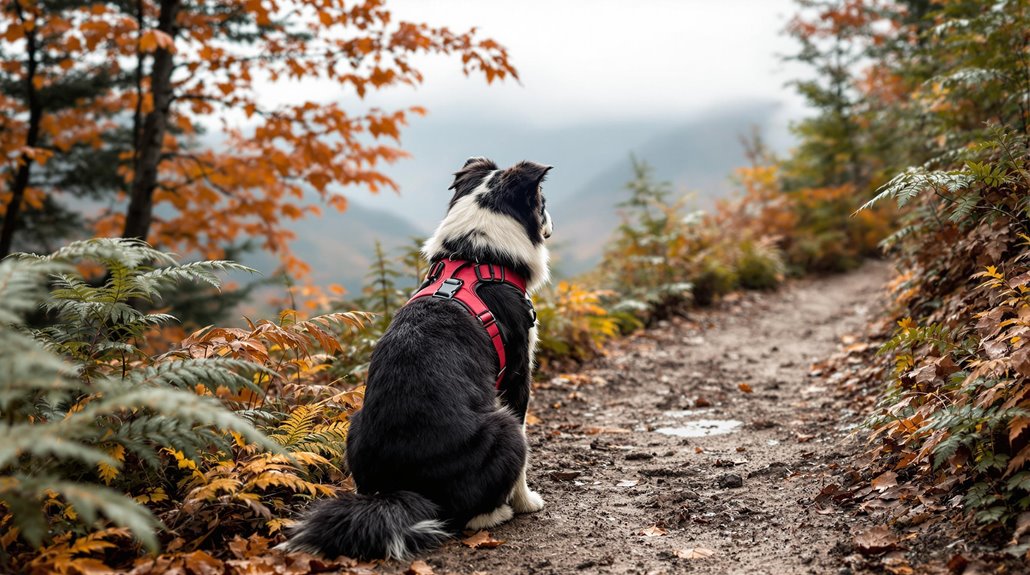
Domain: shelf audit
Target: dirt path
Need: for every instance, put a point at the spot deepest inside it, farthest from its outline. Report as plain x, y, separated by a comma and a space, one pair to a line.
624, 497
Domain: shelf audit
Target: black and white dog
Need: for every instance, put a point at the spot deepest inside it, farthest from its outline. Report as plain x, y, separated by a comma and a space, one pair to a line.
437, 447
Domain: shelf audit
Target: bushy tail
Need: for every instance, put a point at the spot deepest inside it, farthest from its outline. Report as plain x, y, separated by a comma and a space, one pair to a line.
392, 526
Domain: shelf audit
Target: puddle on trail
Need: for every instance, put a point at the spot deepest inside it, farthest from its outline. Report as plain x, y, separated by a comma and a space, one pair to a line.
702, 428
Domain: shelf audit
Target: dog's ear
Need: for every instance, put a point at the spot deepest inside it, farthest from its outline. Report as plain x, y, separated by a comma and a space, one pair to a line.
472, 166
530, 173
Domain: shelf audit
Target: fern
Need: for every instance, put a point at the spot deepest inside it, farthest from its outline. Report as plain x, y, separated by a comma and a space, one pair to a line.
79, 396
907, 185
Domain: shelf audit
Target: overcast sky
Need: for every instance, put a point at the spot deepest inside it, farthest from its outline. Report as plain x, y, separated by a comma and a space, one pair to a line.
581, 60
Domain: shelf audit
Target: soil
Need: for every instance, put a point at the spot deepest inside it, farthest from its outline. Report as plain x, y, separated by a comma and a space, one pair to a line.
625, 496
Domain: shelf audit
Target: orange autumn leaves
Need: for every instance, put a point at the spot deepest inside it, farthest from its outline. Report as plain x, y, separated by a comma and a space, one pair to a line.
236, 162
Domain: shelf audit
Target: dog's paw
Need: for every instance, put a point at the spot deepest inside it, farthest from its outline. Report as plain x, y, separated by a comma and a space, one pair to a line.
528, 501
494, 518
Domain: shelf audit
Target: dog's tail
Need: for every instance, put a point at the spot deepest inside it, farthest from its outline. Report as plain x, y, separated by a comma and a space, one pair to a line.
392, 526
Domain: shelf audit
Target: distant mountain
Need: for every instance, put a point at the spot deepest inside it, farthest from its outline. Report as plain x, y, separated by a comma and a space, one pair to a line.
698, 158
340, 247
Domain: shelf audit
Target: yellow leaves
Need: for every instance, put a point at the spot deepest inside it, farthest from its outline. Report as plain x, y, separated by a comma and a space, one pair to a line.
211, 489
152, 495
72, 555
278, 524
906, 324
108, 472
992, 271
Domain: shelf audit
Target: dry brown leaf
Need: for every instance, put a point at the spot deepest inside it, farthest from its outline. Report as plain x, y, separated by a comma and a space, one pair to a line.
481, 540
745, 388
885, 481
564, 475
694, 553
957, 564
876, 540
200, 563
653, 531
599, 430
419, 567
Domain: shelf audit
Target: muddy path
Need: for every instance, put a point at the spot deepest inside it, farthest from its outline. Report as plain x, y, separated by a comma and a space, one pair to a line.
696, 447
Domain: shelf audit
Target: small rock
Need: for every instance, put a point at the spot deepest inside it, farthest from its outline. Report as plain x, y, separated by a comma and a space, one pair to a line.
730, 481
639, 456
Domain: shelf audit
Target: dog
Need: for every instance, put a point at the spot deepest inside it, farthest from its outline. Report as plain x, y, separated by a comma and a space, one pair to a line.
439, 445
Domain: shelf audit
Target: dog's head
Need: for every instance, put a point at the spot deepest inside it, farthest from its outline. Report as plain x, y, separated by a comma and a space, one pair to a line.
498, 216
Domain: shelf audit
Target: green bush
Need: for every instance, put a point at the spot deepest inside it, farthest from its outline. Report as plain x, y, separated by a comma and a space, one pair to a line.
758, 267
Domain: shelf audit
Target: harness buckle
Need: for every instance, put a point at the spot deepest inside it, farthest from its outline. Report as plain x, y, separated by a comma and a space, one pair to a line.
448, 288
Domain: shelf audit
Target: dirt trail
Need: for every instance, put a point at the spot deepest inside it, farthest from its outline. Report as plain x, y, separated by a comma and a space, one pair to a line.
610, 476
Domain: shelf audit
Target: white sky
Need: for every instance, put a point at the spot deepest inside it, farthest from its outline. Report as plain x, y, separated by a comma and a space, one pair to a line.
582, 60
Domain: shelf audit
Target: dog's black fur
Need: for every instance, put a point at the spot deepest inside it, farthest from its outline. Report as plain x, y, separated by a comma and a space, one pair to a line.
435, 447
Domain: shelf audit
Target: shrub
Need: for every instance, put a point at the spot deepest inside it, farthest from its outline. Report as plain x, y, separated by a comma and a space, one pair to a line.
573, 323
82, 405
758, 266
713, 279
956, 408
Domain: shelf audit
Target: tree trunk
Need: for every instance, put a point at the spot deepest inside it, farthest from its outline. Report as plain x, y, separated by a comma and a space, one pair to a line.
148, 152
21, 178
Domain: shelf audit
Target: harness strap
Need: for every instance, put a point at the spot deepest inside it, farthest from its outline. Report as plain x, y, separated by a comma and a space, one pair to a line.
457, 280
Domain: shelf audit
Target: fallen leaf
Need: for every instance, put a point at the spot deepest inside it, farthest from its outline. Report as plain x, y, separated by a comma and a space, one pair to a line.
899, 569
599, 430
885, 481
876, 540
532, 419
564, 475
745, 388
481, 540
694, 553
200, 563
957, 564
419, 567
653, 531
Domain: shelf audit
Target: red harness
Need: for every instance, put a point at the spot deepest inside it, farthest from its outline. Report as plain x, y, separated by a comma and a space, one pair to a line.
457, 280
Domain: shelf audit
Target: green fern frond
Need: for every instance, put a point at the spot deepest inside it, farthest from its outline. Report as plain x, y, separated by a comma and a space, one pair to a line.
123, 252
212, 373
155, 280
905, 186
